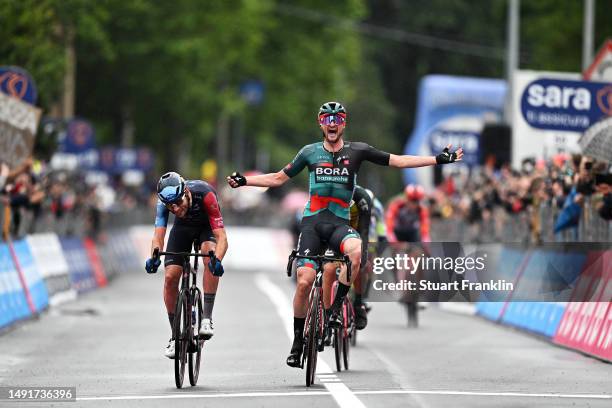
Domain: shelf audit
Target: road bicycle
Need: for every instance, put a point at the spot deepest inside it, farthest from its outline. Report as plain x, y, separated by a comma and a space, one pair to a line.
187, 316
314, 327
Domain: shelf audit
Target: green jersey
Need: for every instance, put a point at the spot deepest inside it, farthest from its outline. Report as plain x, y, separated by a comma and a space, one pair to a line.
333, 175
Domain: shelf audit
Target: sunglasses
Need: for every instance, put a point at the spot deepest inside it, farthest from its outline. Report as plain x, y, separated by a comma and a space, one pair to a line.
327, 120
175, 205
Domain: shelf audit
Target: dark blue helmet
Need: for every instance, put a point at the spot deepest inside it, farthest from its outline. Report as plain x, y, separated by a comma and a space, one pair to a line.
171, 188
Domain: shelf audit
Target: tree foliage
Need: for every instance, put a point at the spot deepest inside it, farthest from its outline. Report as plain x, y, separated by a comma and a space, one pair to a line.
168, 72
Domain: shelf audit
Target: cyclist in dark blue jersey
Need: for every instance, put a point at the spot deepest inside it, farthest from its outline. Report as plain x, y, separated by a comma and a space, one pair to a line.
196, 215
333, 165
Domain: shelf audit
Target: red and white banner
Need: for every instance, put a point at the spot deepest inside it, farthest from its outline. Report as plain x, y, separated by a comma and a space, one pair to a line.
587, 326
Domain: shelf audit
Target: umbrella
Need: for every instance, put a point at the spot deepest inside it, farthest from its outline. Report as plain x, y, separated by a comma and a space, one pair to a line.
597, 141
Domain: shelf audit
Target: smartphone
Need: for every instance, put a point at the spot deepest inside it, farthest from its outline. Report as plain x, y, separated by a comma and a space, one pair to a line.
603, 179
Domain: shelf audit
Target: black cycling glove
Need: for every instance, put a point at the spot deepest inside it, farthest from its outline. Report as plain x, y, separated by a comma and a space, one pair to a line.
238, 178
446, 157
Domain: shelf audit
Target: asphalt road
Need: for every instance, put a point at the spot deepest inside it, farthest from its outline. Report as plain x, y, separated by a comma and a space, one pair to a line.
109, 344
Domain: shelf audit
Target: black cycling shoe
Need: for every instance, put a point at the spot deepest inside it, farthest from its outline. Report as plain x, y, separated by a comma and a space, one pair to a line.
295, 355
361, 317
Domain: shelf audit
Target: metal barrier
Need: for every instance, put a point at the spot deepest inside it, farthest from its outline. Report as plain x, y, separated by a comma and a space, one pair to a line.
533, 226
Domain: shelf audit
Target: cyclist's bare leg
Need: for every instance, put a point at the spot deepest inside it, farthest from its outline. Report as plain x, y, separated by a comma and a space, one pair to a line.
352, 248
171, 283
172, 276
329, 276
210, 282
305, 279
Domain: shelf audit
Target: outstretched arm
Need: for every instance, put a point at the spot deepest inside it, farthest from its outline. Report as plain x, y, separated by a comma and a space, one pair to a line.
272, 179
268, 180
261, 180
407, 161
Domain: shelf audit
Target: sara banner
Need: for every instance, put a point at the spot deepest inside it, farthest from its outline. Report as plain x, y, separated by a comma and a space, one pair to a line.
565, 105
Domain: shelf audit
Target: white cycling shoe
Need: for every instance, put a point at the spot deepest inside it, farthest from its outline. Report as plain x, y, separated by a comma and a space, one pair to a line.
206, 330
170, 349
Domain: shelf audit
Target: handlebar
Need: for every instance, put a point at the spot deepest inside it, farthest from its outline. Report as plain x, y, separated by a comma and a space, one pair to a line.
323, 258
211, 254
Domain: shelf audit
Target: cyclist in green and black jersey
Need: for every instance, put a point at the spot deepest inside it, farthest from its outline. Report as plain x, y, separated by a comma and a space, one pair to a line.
333, 165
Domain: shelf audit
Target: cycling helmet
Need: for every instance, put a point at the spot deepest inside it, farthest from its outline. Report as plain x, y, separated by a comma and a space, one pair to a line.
171, 188
414, 192
331, 108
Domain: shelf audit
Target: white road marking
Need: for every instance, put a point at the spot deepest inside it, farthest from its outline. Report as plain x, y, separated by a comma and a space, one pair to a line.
194, 396
330, 392
399, 377
341, 393
488, 394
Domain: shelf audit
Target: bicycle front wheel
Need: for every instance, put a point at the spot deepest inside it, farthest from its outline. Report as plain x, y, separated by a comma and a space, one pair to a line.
348, 327
313, 334
180, 334
196, 322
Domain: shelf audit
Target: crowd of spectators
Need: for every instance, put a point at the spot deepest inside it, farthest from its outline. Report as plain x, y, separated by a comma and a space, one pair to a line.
543, 201
44, 198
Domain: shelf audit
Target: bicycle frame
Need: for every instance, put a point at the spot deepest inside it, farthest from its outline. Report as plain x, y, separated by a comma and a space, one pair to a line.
315, 308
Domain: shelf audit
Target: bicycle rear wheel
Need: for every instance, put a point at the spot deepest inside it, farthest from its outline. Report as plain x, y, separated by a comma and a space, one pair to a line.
180, 333
312, 342
196, 354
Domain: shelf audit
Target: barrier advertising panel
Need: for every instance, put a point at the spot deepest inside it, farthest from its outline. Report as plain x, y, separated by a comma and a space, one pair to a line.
33, 279
81, 274
13, 303
52, 265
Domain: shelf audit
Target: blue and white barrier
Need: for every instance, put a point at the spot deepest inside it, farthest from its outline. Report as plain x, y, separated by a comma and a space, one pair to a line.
52, 264
13, 302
